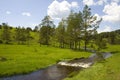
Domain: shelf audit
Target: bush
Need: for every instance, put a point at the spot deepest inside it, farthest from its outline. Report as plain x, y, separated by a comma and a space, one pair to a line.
1, 41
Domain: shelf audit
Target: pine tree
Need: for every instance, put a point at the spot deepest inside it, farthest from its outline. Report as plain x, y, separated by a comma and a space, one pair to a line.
61, 34
6, 34
89, 24
46, 30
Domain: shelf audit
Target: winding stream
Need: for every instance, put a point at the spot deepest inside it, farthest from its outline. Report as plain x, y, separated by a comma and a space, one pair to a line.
56, 72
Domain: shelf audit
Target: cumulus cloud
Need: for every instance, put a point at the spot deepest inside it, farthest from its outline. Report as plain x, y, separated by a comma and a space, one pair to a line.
8, 12
105, 29
58, 10
98, 2
93, 2
116, 1
98, 17
74, 4
101, 2
89, 2
112, 12
26, 14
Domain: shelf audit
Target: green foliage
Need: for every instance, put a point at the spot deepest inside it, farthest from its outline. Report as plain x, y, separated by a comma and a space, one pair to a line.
22, 35
112, 37
6, 34
74, 29
100, 42
90, 24
61, 33
45, 35
1, 41
46, 30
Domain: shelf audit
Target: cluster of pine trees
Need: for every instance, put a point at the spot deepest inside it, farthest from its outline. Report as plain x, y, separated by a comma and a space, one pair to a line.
79, 28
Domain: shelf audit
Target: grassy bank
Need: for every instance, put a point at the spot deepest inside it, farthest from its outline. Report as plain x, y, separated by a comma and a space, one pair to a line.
108, 70
20, 59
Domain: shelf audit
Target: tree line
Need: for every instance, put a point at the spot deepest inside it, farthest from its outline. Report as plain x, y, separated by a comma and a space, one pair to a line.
77, 31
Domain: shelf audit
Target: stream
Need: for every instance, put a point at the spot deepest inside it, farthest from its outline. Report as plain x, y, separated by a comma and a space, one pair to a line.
57, 72
54, 72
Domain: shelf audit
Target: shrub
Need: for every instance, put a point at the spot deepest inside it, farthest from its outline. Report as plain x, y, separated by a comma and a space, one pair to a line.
1, 41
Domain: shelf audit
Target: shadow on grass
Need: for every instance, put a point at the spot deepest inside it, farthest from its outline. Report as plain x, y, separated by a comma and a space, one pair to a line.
114, 52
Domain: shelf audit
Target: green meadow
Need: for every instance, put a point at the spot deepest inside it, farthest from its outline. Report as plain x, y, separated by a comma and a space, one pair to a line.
22, 59
107, 70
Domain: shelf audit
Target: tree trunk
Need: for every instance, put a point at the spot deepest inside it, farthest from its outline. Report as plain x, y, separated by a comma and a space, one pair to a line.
63, 45
75, 45
85, 45
79, 45
70, 45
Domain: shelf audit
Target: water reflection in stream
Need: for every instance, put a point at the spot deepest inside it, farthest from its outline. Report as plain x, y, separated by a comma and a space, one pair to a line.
51, 73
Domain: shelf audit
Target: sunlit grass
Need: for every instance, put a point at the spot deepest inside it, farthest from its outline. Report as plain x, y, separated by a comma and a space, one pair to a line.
22, 59
108, 70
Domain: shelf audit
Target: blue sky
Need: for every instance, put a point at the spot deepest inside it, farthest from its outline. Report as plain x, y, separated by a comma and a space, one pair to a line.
29, 13
34, 11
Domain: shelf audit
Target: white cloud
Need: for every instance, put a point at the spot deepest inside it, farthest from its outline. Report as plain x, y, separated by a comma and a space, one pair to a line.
97, 20
117, 1
94, 2
26, 14
105, 29
112, 12
8, 12
98, 17
58, 10
89, 2
74, 4
101, 2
